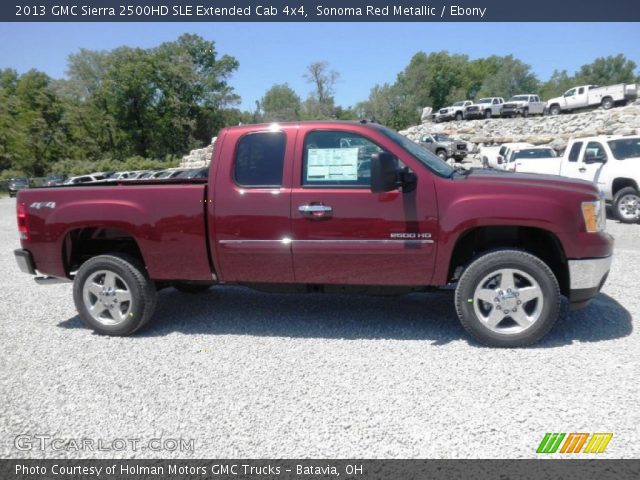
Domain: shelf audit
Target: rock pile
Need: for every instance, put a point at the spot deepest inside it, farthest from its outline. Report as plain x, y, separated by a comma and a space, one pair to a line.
198, 158
553, 131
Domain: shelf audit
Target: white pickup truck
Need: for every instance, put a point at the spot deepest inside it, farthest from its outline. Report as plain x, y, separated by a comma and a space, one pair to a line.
591, 96
494, 156
611, 162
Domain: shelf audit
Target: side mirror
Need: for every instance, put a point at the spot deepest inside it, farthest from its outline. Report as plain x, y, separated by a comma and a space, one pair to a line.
500, 160
384, 173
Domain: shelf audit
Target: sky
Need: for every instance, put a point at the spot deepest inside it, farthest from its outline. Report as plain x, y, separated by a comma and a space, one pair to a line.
364, 54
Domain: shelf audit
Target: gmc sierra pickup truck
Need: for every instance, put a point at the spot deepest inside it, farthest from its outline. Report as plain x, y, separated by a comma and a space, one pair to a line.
325, 207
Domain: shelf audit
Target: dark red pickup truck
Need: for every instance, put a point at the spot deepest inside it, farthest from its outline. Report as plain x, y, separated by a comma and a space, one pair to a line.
325, 206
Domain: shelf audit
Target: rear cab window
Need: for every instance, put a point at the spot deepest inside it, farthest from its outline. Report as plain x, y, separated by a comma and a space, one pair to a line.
259, 160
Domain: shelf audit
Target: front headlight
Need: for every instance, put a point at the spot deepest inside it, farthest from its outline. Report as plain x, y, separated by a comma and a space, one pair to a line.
595, 217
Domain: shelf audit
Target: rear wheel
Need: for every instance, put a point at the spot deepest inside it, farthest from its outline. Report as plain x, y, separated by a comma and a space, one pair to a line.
508, 298
607, 103
626, 205
114, 295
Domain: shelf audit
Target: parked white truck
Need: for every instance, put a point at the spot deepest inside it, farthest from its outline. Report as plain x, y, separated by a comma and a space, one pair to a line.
611, 162
493, 156
523, 106
591, 96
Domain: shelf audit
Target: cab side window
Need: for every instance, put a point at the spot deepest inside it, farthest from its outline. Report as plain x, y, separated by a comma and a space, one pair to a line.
335, 158
259, 159
574, 153
595, 150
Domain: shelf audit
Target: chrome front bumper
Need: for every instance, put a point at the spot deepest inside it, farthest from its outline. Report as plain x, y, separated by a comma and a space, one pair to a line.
586, 278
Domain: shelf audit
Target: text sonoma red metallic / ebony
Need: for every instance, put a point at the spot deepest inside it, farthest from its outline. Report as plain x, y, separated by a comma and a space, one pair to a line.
325, 206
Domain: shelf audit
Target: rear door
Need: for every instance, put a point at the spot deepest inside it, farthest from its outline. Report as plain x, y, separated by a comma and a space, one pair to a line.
345, 234
250, 206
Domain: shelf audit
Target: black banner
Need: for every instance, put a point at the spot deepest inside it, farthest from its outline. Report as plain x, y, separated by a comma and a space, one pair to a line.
318, 469
319, 11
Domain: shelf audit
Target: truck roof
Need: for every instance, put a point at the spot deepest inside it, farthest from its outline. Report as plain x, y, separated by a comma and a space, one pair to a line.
309, 123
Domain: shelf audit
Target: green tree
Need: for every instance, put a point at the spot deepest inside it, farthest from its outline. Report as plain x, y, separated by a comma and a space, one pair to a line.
607, 71
511, 78
280, 104
320, 104
559, 83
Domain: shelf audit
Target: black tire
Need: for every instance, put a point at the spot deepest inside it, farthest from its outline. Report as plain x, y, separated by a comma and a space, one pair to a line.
525, 112
554, 110
607, 103
192, 287
459, 116
487, 114
141, 288
442, 154
620, 209
482, 267
12, 194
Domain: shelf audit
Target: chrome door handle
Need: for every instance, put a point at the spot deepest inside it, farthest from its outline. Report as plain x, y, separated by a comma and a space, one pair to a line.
582, 169
315, 210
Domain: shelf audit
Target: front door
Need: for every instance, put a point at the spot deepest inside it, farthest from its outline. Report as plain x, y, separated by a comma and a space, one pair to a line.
345, 234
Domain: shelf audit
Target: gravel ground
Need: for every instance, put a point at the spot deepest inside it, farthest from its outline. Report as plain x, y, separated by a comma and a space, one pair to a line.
247, 374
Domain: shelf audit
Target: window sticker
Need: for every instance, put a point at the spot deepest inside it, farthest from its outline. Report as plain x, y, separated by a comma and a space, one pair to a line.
332, 164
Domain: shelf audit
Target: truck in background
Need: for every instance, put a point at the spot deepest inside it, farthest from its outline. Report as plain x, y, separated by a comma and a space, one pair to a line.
523, 106
612, 163
586, 96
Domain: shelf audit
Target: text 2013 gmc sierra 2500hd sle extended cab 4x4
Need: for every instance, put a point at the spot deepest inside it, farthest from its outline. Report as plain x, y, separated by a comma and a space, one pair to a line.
325, 206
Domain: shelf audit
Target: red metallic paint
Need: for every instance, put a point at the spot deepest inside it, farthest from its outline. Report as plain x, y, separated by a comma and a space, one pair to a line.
247, 226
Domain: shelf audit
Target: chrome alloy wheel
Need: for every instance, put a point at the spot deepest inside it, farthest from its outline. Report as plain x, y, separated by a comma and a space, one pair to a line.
629, 206
508, 301
106, 297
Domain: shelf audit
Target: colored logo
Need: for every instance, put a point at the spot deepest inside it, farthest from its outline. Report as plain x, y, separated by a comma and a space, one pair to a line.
574, 443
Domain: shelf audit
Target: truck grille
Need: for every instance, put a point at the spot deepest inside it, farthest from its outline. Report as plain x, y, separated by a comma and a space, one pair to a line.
509, 105
443, 111
472, 109
461, 146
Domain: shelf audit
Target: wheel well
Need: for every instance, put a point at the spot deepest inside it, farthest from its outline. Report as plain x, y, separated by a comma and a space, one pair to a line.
620, 183
441, 149
84, 243
541, 243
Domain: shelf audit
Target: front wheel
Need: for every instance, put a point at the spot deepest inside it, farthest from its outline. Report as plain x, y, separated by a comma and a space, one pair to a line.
508, 298
442, 154
626, 205
114, 295
554, 110
525, 112
458, 116
487, 114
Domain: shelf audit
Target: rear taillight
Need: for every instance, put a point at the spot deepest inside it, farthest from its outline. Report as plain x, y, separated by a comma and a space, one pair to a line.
23, 226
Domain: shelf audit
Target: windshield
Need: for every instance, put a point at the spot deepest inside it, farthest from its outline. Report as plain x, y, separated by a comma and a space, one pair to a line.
431, 161
519, 98
535, 153
440, 137
625, 148
484, 100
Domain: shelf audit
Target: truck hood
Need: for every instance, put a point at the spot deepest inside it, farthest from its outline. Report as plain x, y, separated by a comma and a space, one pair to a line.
503, 181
